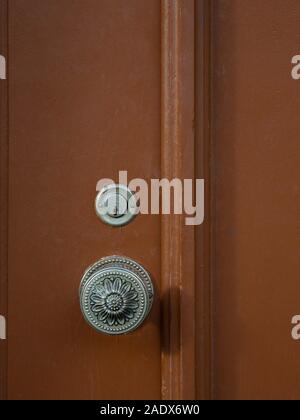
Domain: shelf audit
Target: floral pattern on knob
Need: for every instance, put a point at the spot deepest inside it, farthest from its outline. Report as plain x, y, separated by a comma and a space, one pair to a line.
116, 295
114, 301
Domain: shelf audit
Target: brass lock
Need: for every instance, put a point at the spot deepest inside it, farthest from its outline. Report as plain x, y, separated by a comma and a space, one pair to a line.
116, 295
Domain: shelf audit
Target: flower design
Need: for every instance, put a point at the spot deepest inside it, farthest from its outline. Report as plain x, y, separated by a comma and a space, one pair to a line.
114, 301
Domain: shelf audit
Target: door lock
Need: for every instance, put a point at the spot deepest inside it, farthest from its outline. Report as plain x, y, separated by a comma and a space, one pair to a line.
116, 205
116, 295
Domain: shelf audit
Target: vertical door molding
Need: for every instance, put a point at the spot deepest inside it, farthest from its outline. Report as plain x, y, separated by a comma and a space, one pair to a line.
3, 193
204, 170
178, 161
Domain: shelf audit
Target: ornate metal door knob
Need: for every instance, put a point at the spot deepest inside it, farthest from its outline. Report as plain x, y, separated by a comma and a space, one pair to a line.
116, 295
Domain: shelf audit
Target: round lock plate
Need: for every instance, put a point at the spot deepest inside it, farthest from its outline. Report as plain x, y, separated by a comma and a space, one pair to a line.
116, 295
116, 205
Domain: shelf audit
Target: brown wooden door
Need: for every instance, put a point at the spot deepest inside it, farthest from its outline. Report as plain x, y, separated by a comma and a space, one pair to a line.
84, 98
82, 101
163, 89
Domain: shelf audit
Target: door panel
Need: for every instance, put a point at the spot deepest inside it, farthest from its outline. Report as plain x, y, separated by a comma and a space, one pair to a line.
256, 159
84, 91
94, 87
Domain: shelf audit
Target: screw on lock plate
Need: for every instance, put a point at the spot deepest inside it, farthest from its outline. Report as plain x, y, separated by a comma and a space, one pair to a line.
116, 205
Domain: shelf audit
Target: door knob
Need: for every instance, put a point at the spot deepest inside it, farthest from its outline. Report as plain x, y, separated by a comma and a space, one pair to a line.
116, 295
